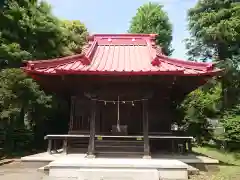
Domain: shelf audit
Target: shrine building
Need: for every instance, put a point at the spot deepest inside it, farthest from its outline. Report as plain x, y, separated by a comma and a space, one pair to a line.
123, 93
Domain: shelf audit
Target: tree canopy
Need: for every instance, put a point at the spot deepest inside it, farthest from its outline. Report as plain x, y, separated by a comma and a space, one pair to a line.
215, 24
151, 18
214, 27
29, 30
215, 35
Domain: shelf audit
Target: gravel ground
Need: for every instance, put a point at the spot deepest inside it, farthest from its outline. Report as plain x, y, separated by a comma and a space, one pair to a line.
22, 171
224, 173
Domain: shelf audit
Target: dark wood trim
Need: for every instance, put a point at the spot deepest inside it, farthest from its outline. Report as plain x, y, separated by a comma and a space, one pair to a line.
91, 146
145, 129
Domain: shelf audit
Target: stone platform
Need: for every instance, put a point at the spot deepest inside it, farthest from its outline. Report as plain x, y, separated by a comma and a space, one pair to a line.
118, 168
78, 166
188, 159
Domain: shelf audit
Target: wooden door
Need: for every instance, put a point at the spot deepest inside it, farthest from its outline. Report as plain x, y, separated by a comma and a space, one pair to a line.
81, 116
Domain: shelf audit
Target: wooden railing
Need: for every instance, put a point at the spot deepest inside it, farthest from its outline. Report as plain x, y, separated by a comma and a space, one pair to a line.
186, 145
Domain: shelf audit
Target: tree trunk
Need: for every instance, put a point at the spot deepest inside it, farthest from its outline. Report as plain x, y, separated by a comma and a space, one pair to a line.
222, 55
21, 118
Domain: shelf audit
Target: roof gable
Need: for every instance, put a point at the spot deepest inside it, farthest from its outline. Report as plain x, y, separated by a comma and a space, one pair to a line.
132, 54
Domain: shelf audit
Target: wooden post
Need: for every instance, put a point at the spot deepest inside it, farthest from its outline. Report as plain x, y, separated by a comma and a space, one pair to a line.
184, 146
65, 146
91, 146
189, 145
49, 149
145, 131
72, 110
173, 146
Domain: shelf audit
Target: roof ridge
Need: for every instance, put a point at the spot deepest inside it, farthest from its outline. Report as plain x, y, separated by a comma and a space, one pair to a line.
188, 64
124, 35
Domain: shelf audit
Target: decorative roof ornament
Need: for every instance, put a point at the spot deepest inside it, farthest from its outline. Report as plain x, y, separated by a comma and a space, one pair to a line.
156, 62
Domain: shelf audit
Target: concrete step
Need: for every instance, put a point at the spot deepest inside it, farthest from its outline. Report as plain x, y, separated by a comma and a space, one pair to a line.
118, 168
44, 169
192, 170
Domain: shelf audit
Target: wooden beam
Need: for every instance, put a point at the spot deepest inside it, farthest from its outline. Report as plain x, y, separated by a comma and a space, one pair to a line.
91, 146
145, 130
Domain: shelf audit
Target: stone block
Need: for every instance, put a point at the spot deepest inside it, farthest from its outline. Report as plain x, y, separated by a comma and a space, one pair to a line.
118, 174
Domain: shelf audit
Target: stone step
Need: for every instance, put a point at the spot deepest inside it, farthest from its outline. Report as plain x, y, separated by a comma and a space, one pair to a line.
125, 168
192, 170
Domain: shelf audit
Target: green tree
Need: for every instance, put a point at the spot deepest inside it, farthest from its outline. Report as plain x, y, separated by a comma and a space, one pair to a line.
197, 107
215, 34
75, 34
20, 96
151, 18
28, 30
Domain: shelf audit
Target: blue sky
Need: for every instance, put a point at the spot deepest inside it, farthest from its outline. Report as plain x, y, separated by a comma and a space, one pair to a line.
114, 16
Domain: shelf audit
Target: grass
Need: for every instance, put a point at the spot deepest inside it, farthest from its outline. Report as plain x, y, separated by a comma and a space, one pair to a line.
229, 167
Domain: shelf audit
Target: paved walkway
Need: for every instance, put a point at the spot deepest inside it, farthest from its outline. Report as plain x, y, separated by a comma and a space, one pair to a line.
21, 171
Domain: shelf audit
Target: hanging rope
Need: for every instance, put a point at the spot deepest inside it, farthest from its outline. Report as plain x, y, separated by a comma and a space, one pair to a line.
114, 101
118, 106
118, 118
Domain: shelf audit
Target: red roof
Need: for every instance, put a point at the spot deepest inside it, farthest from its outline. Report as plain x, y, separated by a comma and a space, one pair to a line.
129, 54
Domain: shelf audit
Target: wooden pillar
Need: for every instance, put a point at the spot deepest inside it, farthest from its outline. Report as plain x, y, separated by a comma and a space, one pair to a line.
65, 145
189, 142
145, 130
72, 112
91, 146
49, 149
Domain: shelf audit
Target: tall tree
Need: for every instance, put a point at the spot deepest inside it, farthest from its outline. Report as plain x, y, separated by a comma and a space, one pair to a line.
75, 36
29, 30
215, 29
151, 18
